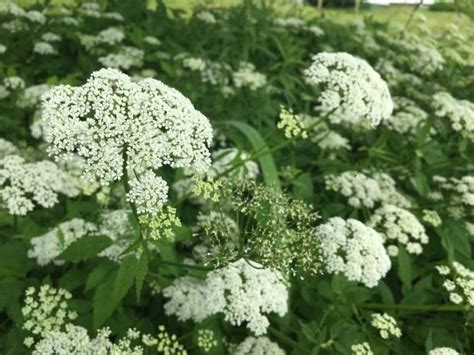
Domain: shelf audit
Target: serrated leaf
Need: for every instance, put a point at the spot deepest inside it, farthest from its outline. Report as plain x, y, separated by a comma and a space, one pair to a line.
98, 274
85, 248
109, 295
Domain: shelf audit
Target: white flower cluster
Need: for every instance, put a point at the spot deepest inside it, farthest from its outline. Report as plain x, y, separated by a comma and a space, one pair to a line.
242, 292
9, 7
386, 325
353, 249
44, 48
46, 248
258, 346
461, 190
22, 184
459, 283
47, 319
206, 17
214, 73
399, 227
459, 112
247, 76
324, 136
443, 351
32, 95
51, 37
351, 88
361, 349
11, 84
432, 217
7, 148
152, 41
125, 58
366, 191
92, 9
45, 311
134, 126
115, 225
292, 124
420, 54
74, 340
291, 22
149, 193
407, 117
206, 340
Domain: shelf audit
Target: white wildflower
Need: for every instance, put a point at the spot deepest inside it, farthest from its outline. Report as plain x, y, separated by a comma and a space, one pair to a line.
351, 86
247, 76
242, 292
443, 351
432, 218
459, 283
46, 310
260, 345
407, 117
44, 48
459, 112
47, 248
7, 148
400, 227
148, 193
13, 83
353, 249
206, 17
386, 325
125, 58
50, 37
133, 126
364, 190
22, 185
152, 41
292, 124
361, 349
35, 16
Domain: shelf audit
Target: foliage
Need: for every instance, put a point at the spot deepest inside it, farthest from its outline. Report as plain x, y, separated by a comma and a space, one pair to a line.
264, 200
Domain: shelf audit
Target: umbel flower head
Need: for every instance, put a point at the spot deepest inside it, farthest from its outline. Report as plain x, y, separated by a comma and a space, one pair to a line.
116, 124
351, 87
351, 248
243, 291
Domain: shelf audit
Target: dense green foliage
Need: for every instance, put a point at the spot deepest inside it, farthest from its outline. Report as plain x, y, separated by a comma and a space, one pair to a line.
327, 313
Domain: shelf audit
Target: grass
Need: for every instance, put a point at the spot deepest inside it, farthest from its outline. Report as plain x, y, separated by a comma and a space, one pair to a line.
436, 21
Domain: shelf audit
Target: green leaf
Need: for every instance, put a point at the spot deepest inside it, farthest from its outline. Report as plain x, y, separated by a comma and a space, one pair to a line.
85, 248
303, 187
98, 274
142, 270
125, 276
404, 270
109, 295
267, 164
420, 183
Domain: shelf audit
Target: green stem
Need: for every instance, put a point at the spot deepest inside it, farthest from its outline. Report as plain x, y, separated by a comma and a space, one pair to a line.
188, 266
293, 344
417, 307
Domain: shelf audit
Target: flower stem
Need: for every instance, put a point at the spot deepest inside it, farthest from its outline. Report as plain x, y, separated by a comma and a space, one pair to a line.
420, 308
293, 344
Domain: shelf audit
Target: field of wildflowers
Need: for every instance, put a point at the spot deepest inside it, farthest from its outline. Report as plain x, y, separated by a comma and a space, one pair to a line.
244, 179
